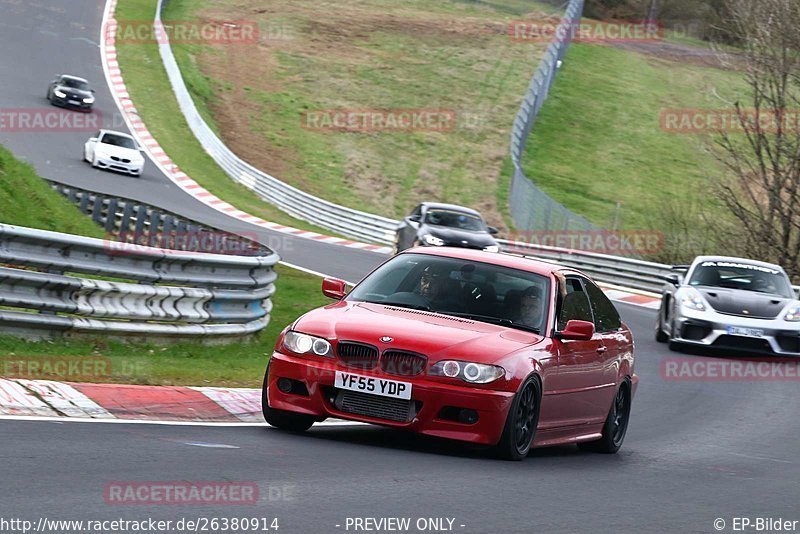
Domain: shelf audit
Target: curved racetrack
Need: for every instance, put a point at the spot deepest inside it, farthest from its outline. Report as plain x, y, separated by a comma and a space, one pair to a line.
42, 38
695, 451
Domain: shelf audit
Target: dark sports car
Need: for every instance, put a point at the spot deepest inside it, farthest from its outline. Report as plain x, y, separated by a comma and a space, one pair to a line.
437, 225
71, 92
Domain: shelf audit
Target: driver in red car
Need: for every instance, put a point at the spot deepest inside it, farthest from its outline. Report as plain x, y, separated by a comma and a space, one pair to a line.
433, 288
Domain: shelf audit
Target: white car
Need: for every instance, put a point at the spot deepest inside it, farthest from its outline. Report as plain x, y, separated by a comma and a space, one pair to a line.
731, 303
116, 151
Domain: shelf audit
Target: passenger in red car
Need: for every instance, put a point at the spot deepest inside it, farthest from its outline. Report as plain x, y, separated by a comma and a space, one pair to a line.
531, 309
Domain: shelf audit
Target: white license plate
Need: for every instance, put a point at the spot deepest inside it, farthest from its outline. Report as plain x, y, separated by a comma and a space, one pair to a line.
373, 385
74, 102
747, 332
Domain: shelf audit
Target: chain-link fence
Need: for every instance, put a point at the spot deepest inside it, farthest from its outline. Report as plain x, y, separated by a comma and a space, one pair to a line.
531, 208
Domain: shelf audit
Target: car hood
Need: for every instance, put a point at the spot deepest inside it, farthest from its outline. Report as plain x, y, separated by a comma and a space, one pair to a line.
458, 237
744, 303
127, 153
436, 336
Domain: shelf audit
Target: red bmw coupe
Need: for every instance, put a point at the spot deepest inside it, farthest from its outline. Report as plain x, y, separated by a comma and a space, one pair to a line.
462, 344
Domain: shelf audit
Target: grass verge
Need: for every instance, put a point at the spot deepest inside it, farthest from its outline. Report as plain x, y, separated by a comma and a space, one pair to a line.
193, 364
149, 88
27, 200
599, 140
367, 54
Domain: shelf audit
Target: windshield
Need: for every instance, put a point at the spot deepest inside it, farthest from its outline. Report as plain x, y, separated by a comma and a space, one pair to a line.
746, 276
472, 290
118, 140
454, 219
75, 84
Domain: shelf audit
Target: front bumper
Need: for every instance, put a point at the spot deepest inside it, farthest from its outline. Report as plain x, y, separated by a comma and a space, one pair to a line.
67, 102
132, 168
710, 329
318, 377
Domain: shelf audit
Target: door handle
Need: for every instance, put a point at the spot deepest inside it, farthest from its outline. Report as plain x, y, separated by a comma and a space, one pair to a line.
601, 350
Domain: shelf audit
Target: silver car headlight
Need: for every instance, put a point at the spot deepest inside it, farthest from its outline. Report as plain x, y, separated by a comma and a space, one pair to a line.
59, 93
793, 314
492, 248
432, 240
88, 100
475, 373
692, 300
304, 344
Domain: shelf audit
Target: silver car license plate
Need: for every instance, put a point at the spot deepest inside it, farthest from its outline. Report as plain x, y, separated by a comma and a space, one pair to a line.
743, 331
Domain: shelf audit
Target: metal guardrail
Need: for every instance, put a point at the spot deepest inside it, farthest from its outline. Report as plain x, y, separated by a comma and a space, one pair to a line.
340, 219
628, 272
123, 217
530, 207
54, 283
618, 270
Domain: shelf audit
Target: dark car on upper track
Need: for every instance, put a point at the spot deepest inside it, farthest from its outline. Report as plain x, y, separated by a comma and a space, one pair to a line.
71, 92
436, 225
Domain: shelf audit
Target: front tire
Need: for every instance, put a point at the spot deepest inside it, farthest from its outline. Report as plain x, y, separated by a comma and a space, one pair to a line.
284, 420
661, 337
616, 423
523, 418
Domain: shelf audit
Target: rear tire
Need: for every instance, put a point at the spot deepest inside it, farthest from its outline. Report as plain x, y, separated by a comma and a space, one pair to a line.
523, 418
616, 424
282, 419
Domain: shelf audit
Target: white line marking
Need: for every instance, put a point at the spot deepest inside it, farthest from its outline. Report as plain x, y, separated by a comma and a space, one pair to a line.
158, 422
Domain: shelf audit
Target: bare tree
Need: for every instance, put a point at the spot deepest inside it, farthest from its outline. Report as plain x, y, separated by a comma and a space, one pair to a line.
763, 157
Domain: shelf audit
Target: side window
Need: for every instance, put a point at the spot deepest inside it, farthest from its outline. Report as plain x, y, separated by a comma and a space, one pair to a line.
417, 212
575, 305
606, 316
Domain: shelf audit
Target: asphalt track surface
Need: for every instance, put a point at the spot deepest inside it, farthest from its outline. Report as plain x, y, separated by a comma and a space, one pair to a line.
42, 38
695, 451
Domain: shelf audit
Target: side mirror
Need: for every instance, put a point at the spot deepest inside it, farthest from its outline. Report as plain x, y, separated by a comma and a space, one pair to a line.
93, 91
577, 331
673, 279
92, 139
333, 288
414, 218
492, 230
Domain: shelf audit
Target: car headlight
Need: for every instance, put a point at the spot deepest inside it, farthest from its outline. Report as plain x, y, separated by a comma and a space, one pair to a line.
475, 373
88, 100
59, 93
692, 299
492, 248
793, 315
305, 344
432, 240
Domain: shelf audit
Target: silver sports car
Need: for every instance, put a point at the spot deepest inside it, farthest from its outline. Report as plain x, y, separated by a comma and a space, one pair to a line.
731, 303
